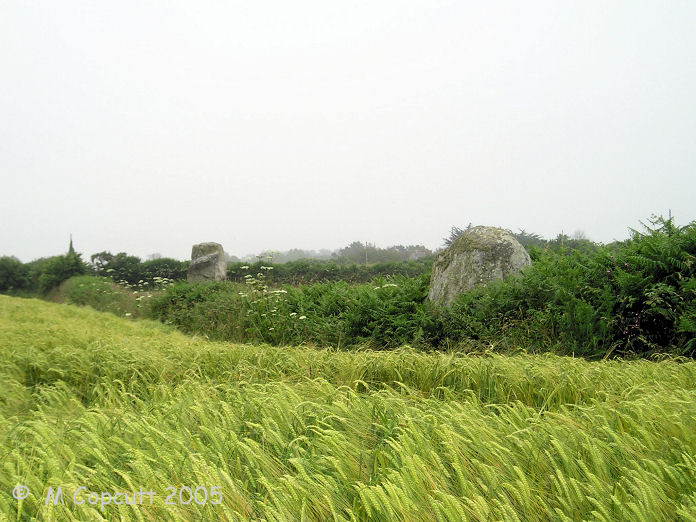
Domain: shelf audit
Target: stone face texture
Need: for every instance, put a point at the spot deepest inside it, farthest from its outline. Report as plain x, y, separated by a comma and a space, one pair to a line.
207, 263
480, 255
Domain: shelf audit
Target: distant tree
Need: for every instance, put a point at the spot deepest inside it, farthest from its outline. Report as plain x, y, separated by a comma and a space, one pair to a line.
564, 241
162, 267
560, 240
14, 275
530, 239
367, 253
59, 268
356, 253
417, 252
120, 267
296, 254
100, 261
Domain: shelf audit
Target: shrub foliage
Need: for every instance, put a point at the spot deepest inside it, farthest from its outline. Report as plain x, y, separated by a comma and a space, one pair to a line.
635, 297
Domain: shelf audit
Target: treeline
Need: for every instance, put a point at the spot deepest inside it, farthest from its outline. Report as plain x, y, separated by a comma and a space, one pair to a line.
41, 275
317, 271
366, 253
355, 263
123, 268
355, 253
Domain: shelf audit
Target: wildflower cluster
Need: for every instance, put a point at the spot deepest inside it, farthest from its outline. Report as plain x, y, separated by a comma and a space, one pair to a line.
142, 290
267, 306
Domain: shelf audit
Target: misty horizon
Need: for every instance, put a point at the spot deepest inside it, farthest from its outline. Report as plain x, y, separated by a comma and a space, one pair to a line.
314, 253
145, 129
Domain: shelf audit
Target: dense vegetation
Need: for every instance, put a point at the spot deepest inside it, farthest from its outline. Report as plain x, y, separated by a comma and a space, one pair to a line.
315, 271
355, 263
634, 297
40, 275
88, 399
637, 297
19, 278
130, 270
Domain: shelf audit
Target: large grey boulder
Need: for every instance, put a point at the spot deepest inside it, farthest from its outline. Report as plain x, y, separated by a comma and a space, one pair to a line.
478, 256
207, 263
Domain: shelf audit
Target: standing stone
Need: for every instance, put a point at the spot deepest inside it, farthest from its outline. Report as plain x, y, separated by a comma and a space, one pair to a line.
207, 263
478, 256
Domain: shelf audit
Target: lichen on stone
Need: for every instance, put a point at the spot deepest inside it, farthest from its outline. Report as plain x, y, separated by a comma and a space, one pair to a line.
478, 256
207, 263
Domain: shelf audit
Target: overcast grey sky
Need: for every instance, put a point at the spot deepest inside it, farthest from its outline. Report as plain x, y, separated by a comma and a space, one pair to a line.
149, 126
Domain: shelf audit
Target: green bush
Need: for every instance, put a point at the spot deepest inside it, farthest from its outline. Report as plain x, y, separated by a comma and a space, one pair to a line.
14, 275
57, 269
391, 313
101, 294
653, 277
636, 297
130, 270
310, 271
163, 268
550, 307
385, 313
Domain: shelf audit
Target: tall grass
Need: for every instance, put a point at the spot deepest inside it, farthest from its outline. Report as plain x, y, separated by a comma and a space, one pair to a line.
88, 399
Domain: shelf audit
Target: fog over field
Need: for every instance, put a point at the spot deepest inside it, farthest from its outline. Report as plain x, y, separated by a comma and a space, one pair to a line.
149, 126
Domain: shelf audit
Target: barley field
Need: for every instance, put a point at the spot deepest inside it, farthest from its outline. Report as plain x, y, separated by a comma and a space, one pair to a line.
104, 408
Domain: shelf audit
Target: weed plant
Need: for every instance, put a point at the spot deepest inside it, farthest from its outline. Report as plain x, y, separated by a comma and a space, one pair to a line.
124, 299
